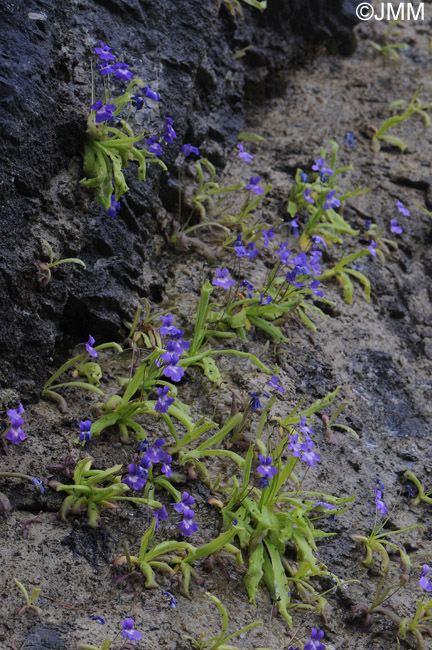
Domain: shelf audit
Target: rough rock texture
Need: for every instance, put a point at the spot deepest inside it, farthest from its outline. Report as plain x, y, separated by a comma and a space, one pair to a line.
45, 92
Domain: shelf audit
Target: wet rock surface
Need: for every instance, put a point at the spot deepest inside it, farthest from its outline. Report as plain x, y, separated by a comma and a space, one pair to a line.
379, 352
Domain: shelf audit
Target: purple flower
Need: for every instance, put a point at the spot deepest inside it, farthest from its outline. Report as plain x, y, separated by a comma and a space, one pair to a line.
301, 264
313, 287
106, 68
267, 235
104, 112
394, 227
290, 277
239, 248
249, 287
167, 328
323, 178
163, 401
15, 435
169, 133
380, 505
169, 595
303, 177
150, 93
145, 461
424, 582
154, 147
284, 253
172, 370
188, 526
253, 185
264, 482
255, 403
372, 248
380, 484
177, 345
138, 102
349, 138
367, 225
115, 205
265, 301
307, 195
122, 72
92, 352
99, 619
143, 445
251, 250
38, 483
331, 201
160, 515
186, 501
309, 456
294, 445
320, 167
136, 478
274, 383
402, 209
266, 468
166, 467
323, 504
104, 52
315, 643
319, 240
410, 490
304, 428
295, 227
85, 430
187, 149
155, 453
314, 261
244, 154
128, 631
222, 279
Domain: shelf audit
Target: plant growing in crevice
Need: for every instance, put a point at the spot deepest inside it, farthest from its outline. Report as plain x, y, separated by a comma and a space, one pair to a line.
219, 642
45, 267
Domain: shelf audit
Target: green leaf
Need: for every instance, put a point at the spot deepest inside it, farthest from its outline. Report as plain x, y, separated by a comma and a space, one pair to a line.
210, 369
272, 330
279, 587
213, 546
251, 137
389, 138
347, 285
258, 4
239, 319
363, 279
254, 573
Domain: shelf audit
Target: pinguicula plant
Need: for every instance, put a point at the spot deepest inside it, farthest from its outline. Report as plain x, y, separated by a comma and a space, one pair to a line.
172, 557
273, 514
318, 199
219, 642
90, 370
378, 541
410, 108
422, 495
111, 142
88, 495
45, 267
29, 599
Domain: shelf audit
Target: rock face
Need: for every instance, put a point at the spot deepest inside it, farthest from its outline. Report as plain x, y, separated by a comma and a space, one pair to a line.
45, 91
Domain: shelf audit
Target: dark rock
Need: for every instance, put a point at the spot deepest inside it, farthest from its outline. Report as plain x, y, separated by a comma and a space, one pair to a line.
45, 637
